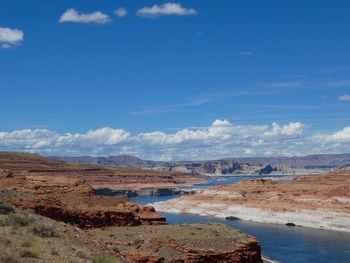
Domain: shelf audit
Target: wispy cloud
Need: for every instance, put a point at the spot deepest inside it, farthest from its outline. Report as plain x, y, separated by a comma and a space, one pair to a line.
309, 84
338, 83
336, 69
199, 100
285, 84
344, 97
246, 53
10, 37
170, 108
121, 12
73, 16
166, 10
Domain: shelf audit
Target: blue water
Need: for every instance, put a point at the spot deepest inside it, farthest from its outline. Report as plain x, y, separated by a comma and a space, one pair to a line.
282, 243
226, 180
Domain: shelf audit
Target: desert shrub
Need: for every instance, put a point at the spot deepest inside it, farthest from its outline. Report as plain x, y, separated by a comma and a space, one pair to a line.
44, 231
26, 243
81, 254
4, 221
102, 258
5, 241
4, 258
18, 220
30, 253
6, 209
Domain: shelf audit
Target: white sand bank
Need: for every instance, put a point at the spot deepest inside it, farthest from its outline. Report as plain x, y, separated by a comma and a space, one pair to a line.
309, 218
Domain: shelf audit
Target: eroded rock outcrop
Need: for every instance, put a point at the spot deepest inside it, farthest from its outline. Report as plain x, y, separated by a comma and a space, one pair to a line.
81, 214
60, 192
6, 173
197, 243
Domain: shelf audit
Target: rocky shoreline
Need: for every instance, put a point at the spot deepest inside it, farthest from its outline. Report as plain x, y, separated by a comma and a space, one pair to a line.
312, 201
142, 192
304, 218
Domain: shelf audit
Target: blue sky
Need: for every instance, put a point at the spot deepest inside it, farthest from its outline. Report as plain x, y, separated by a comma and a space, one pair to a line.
164, 68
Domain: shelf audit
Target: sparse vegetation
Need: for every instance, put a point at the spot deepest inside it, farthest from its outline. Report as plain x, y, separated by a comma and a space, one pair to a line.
32, 252
18, 220
5, 209
4, 258
44, 231
103, 258
24, 238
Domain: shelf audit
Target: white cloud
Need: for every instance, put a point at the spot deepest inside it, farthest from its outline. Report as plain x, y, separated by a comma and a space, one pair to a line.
223, 131
221, 139
165, 10
108, 136
121, 12
292, 129
248, 151
342, 136
71, 15
10, 37
344, 97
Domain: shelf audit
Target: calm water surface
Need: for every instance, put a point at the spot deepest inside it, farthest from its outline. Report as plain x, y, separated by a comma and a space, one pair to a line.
283, 243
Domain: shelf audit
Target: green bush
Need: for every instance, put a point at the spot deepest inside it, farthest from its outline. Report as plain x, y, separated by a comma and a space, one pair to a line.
44, 231
18, 220
5, 209
102, 258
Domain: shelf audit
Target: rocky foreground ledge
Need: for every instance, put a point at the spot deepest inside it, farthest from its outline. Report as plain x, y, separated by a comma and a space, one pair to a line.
51, 215
181, 243
321, 201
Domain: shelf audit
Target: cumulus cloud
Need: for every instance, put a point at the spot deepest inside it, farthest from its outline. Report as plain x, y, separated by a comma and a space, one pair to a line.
342, 136
121, 12
344, 97
108, 136
10, 37
221, 139
292, 129
71, 15
166, 10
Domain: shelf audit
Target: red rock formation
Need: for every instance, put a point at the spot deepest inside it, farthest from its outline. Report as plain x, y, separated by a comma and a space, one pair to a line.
247, 251
6, 173
196, 243
93, 211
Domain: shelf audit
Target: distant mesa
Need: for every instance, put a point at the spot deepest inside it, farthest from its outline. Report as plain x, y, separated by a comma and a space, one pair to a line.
228, 166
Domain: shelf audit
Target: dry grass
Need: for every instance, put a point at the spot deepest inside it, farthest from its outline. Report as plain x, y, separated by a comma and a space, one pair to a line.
27, 237
103, 258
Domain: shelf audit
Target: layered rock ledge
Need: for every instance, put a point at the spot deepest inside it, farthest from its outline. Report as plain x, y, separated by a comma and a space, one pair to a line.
196, 243
59, 191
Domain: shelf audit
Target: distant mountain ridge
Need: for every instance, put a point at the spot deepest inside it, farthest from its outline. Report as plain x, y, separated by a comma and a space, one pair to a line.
119, 160
242, 165
306, 162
